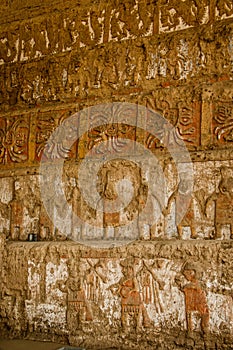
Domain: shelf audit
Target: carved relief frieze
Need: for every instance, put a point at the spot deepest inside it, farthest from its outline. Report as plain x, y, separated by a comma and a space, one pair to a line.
185, 286
80, 27
14, 139
184, 117
47, 123
224, 9
222, 123
182, 14
116, 69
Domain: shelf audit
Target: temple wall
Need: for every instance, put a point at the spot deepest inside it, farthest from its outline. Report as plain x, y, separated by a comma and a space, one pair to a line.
130, 100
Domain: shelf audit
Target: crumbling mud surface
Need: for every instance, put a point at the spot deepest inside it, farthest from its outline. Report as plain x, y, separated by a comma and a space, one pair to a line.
125, 295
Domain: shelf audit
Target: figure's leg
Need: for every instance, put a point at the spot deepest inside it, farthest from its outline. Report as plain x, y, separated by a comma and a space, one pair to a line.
116, 232
205, 322
105, 229
189, 321
180, 231
145, 317
193, 231
144, 231
124, 319
81, 232
88, 313
139, 318
72, 319
218, 231
152, 231
231, 228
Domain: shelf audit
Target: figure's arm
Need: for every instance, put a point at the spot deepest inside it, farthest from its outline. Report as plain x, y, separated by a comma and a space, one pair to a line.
149, 269
166, 210
158, 201
100, 212
135, 272
210, 199
199, 197
101, 275
116, 287
62, 286
179, 282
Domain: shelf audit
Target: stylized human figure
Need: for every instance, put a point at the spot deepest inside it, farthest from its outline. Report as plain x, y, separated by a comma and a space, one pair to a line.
223, 199
83, 76
146, 283
46, 225
183, 197
195, 297
94, 273
78, 307
148, 217
110, 220
151, 285
133, 310
115, 207
47, 229
74, 198
17, 212
4, 217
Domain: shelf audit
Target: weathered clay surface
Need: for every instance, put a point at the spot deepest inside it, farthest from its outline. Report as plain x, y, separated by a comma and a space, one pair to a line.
172, 288
145, 293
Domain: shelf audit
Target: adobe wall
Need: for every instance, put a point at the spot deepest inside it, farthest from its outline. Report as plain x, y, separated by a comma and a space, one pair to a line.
148, 275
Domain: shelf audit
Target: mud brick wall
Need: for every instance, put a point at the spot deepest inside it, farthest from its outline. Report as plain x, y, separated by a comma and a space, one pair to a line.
172, 286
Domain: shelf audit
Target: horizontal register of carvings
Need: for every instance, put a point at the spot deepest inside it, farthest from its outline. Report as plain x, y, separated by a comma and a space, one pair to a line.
209, 214
117, 70
82, 27
202, 119
132, 290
